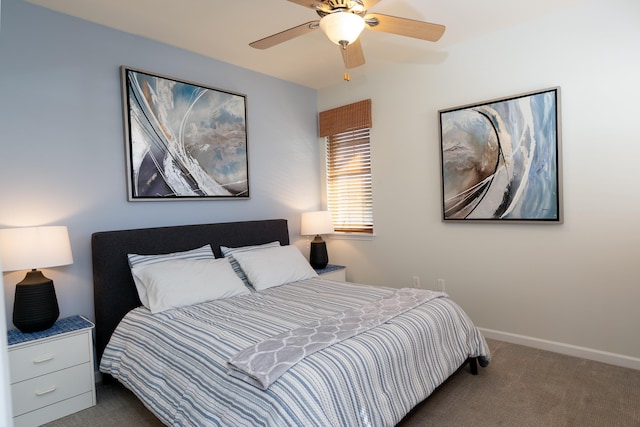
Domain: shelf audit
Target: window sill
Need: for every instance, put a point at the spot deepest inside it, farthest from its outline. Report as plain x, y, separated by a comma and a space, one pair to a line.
351, 236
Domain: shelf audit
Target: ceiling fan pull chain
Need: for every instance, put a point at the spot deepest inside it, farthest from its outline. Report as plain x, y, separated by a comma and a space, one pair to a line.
346, 76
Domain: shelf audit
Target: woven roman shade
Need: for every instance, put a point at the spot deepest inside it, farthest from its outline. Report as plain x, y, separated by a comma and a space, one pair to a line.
343, 119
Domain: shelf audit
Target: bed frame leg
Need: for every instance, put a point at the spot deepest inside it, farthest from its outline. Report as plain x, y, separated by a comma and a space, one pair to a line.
473, 365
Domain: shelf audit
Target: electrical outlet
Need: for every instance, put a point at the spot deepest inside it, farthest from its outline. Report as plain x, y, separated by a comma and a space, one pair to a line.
416, 282
440, 285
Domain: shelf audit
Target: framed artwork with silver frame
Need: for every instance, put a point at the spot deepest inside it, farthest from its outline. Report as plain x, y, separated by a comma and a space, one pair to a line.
184, 141
501, 160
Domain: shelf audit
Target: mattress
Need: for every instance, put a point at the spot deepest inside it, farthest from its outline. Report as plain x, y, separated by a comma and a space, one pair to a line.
175, 362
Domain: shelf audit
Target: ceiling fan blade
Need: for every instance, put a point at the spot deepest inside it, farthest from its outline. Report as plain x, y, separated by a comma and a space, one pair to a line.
353, 56
368, 4
285, 35
315, 5
323, 4
305, 3
404, 27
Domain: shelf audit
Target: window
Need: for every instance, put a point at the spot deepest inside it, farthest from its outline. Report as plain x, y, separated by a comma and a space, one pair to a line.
348, 167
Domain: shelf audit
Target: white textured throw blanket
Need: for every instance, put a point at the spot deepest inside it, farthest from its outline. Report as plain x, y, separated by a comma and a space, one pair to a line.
263, 363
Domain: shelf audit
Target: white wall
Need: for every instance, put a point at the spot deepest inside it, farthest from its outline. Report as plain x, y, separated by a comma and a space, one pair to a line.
62, 156
575, 284
5, 393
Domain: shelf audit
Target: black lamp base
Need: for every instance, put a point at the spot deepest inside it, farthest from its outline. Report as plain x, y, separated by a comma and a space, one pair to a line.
318, 257
35, 307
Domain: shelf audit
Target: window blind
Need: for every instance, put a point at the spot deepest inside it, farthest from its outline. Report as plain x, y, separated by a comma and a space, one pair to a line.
349, 193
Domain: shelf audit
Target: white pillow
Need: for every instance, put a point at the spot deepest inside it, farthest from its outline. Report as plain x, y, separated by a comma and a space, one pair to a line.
204, 252
229, 252
181, 282
275, 266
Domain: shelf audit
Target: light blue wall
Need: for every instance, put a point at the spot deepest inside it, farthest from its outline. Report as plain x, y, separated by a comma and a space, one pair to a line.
62, 146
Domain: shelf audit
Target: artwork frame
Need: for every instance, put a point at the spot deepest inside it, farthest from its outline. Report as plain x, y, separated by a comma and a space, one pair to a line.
183, 140
501, 160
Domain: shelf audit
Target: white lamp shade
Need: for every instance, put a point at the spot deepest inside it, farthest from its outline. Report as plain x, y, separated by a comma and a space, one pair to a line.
318, 222
34, 247
342, 26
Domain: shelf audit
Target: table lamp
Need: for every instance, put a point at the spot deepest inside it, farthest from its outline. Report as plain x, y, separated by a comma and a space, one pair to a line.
317, 223
35, 307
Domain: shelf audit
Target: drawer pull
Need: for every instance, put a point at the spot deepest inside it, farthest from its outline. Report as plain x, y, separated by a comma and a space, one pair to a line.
47, 391
44, 359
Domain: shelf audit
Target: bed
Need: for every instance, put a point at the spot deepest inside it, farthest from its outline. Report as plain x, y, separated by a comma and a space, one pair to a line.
181, 362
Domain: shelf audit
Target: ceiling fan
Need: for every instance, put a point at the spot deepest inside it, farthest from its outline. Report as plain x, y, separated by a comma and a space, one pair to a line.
343, 21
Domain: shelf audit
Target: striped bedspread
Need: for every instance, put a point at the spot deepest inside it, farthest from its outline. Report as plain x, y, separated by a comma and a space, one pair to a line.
175, 361
264, 362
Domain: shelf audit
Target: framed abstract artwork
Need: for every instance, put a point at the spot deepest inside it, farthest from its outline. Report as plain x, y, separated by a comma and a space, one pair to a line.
184, 141
501, 160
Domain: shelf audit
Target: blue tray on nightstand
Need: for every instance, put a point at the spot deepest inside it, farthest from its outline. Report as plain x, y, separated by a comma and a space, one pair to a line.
68, 324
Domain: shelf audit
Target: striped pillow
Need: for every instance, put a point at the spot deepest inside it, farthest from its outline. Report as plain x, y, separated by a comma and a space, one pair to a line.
228, 253
204, 252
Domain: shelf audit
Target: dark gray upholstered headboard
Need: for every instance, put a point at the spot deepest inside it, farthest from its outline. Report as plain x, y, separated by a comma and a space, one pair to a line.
114, 292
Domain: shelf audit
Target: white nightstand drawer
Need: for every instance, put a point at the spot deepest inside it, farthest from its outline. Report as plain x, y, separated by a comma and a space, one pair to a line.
34, 360
51, 388
55, 411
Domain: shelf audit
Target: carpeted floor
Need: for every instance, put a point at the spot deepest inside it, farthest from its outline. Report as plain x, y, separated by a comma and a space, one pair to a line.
522, 387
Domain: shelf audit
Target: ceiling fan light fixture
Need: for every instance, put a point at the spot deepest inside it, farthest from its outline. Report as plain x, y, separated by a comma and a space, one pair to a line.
342, 27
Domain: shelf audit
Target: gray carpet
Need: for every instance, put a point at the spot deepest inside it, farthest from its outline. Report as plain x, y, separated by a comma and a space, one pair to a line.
522, 387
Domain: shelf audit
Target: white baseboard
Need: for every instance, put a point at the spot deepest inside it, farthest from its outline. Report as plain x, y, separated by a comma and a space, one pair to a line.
558, 347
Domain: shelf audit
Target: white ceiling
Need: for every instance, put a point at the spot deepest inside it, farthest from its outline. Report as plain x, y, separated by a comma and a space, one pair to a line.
223, 29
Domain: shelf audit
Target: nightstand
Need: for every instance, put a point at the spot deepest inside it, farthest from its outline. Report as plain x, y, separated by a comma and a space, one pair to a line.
51, 371
333, 272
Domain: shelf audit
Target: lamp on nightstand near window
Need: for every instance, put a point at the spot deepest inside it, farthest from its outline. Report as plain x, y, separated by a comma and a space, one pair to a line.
317, 223
35, 307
